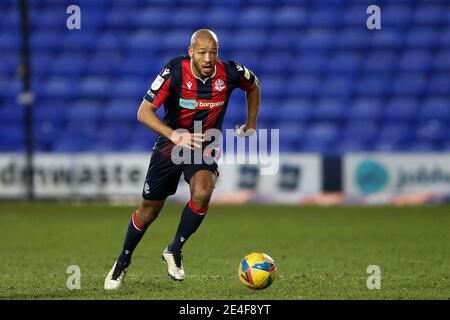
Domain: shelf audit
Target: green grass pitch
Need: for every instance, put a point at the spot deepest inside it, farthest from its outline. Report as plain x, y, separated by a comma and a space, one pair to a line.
321, 253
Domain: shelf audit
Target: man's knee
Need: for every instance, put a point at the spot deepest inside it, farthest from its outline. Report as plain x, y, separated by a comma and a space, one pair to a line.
202, 186
201, 196
149, 210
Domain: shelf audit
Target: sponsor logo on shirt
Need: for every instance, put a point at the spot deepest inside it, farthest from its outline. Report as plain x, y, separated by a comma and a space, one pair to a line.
200, 104
157, 83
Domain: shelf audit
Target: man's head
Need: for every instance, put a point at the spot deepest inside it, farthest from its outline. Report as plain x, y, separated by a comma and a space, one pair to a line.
203, 51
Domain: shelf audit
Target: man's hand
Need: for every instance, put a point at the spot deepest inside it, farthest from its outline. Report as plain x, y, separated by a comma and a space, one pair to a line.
242, 131
187, 140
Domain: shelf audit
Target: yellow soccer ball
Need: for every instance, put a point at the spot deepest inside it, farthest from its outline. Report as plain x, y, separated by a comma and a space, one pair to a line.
257, 271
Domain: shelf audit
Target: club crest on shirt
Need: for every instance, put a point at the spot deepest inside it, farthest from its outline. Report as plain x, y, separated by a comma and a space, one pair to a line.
219, 85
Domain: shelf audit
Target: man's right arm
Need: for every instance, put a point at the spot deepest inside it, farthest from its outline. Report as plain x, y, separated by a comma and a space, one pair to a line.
147, 115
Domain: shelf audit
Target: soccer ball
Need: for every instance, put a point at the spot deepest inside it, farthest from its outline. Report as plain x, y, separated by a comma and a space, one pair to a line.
257, 271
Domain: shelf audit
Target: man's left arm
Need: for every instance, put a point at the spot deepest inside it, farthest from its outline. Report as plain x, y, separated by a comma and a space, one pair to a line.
252, 98
248, 82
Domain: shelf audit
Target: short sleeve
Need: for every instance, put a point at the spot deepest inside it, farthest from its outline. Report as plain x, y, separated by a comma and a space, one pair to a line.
160, 87
242, 76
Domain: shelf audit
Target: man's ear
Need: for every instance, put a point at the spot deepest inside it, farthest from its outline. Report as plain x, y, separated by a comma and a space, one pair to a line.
190, 52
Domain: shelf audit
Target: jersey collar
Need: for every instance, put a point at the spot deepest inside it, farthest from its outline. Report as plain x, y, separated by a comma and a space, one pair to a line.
202, 80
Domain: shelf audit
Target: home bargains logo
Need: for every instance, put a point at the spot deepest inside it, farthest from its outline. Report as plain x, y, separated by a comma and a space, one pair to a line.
200, 104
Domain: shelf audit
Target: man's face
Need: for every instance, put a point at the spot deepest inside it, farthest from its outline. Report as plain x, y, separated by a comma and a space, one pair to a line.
204, 55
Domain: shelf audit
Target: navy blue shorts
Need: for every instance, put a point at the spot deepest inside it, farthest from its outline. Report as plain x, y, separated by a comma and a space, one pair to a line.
163, 176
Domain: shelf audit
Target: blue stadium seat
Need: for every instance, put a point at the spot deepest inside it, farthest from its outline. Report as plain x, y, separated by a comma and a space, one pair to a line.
421, 146
364, 132
254, 40
95, 86
10, 18
401, 109
105, 63
328, 109
344, 63
355, 16
75, 40
324, 18
310, 63
256, 17
382, 61
153, 18
373, 86
279, 41
351, 145
176, 42
395, 132
273, 87
11, 138
143, 66
9, 65
46, 133
445, 38
42, 63
130, 87
317, 39
290, 17
144, 41
409, 84
396, 15
387, 145
435, 109
10, 40
45, 41
69, 64
220, 17
439, 84
442, 61
120, 18
279, 63
121, 111
353, 39
323, 133
429, 14
388, 39
291, 136
84, 112
190, 18
49, 18
365, 109
9, 87
294, 110
51, 111
301, 86
12, 114
432, 131
422, 38
340, 86
415, 61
